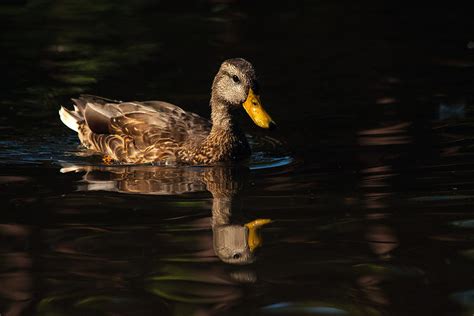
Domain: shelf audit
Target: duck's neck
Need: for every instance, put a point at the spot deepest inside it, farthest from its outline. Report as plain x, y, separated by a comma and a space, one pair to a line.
222, 119
226, 138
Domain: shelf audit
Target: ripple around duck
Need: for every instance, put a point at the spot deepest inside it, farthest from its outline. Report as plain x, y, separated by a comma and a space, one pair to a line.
267, 152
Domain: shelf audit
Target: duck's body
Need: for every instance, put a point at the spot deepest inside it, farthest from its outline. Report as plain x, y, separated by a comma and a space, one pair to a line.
155, 131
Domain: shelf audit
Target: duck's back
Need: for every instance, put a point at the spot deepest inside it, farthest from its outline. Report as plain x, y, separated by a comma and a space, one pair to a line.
136, 132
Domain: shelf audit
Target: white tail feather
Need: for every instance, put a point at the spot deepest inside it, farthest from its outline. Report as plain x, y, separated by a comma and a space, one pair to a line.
69, 119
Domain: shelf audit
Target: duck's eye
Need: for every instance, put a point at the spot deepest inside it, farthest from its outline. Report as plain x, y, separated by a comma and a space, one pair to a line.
236, 256
236, 79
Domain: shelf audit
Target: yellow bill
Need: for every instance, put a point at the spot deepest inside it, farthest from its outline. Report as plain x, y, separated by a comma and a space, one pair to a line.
256, 112
254, 239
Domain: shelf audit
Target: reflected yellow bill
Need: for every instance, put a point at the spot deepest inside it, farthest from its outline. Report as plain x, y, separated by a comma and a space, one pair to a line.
254, 239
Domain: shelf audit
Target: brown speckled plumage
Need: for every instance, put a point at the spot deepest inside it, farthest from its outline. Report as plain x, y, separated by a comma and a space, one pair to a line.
155, 131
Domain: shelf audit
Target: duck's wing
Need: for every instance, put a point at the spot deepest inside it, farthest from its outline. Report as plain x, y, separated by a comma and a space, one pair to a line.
179, 123
146, 122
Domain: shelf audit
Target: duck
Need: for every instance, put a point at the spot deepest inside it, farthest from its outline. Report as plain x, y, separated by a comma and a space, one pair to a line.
163, 133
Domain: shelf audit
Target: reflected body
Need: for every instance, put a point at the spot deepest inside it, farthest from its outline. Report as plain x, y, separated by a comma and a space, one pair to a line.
233, 243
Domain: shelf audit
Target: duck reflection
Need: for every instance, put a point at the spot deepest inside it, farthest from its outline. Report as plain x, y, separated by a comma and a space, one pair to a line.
234, 242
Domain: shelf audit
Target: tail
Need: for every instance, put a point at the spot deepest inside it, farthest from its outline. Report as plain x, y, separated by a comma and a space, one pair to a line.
71, 118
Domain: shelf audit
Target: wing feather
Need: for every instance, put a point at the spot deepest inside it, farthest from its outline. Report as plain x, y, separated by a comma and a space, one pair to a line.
153, 128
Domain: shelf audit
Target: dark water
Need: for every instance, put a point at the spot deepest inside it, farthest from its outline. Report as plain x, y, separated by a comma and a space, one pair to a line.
368, 182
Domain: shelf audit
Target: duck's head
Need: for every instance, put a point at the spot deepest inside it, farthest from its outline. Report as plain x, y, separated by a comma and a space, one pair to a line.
236, 86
